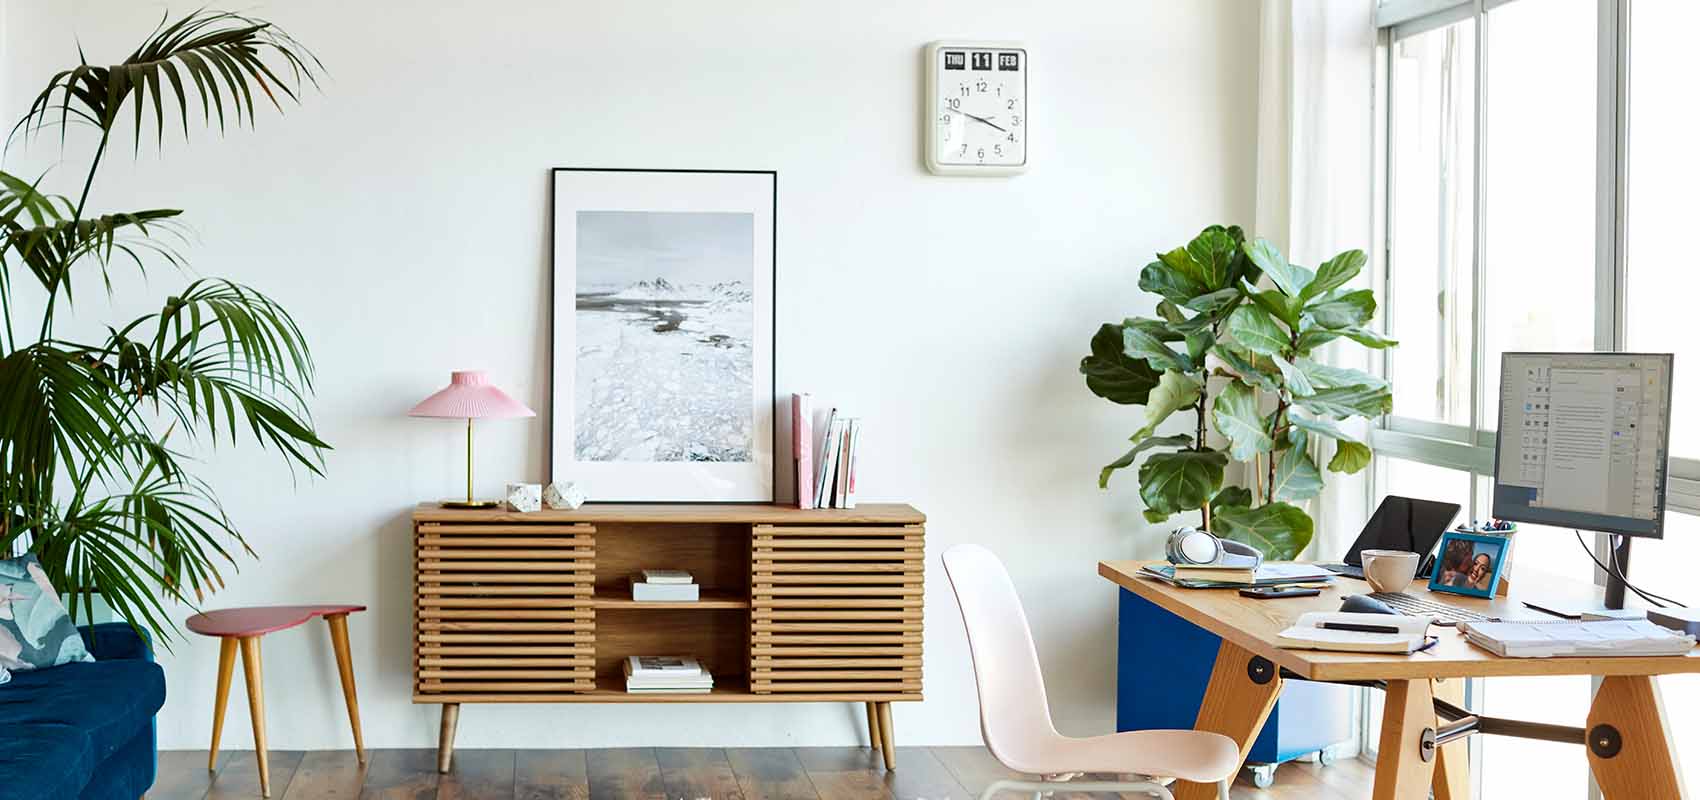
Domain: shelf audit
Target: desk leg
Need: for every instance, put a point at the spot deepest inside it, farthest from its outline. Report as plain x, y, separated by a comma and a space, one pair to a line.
1241, 693
1404, 768
1452, 763
1629, 742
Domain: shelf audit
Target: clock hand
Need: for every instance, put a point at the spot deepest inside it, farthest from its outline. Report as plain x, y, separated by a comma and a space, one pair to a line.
981, 120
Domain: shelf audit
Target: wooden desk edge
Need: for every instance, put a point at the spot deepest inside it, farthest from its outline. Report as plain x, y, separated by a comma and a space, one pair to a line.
734, 513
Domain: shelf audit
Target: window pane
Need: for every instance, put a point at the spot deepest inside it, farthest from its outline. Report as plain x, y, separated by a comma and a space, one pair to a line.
1538, 201
1431, 216
1414, 479
1666, 566
1664, 168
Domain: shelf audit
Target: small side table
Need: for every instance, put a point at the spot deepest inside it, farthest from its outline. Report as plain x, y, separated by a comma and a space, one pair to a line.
243, 627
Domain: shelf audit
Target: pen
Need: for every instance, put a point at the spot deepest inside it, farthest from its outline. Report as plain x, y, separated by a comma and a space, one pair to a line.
1353, 626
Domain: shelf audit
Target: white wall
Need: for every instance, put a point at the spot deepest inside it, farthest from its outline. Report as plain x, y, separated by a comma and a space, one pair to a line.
401, 216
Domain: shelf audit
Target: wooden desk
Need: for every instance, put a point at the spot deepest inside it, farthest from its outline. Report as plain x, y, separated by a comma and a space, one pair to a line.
1626, 715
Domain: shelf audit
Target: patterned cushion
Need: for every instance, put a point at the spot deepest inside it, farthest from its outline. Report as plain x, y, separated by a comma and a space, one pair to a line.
35, 631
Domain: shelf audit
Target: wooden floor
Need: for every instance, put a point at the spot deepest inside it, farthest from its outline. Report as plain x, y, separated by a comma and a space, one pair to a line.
810, 773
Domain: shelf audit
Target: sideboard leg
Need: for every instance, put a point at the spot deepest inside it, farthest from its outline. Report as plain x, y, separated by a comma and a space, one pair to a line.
873, 725
446, 736
887, 747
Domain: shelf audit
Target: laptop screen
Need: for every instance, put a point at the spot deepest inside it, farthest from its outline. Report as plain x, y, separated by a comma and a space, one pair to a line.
1403, 523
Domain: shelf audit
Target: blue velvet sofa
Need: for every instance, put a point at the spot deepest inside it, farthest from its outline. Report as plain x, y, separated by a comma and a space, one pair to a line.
83, 731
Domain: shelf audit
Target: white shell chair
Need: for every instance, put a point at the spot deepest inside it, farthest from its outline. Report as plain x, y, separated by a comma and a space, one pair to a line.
1015, 717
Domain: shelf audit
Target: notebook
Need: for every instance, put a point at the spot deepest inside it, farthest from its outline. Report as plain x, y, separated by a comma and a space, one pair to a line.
1266, 575
1559, 639
1309, 632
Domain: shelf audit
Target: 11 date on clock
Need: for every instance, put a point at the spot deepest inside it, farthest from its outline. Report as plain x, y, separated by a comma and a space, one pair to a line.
977, 108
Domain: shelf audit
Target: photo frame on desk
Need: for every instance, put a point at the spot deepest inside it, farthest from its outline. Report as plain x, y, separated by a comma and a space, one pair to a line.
1468, 564
662, 340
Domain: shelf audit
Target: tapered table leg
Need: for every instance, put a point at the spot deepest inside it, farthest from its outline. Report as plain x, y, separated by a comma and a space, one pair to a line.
888, 747
1629, 745
446, 736
345, 670
873, 726
257, 707
1404, 764
226, 668
1241, 693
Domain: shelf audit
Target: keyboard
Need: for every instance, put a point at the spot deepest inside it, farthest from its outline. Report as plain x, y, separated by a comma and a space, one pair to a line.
1418, 607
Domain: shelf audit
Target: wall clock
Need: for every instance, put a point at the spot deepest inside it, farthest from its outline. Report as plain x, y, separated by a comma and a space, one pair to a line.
976, 122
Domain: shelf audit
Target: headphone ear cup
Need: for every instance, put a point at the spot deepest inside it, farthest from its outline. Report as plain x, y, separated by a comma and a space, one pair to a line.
1200, 547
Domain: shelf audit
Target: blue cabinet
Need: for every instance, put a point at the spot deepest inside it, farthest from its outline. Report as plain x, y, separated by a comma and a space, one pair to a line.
1163, 663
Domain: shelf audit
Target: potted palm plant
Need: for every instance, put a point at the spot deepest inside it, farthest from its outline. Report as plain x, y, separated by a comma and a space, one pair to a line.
95, 474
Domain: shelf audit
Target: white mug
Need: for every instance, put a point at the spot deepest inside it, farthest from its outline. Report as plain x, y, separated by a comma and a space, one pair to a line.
1389, 570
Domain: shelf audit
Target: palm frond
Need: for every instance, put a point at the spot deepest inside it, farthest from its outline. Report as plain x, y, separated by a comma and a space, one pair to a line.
212, 56
52, 248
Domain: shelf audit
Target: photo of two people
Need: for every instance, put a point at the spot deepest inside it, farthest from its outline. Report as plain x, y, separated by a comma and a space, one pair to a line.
1469, 563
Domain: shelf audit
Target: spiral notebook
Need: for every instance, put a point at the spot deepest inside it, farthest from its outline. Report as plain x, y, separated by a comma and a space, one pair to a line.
1560, 639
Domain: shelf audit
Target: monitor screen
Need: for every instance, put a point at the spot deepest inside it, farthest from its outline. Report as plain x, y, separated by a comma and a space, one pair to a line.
1403, 523
1582, 441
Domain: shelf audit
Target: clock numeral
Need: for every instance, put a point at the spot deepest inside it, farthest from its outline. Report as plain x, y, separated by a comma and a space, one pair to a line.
981, 86
944, 119
964, 89
1010, 105
1011, 136
1015, 121
982, 153
998, 149
964, 150
953, 103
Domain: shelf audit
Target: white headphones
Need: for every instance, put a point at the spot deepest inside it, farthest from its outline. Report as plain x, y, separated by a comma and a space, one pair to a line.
1193, 546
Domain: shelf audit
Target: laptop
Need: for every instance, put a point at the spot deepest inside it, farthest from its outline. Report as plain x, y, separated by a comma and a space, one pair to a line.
1399, 523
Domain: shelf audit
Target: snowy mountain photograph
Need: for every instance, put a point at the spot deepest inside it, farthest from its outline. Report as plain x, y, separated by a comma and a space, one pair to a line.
664, 324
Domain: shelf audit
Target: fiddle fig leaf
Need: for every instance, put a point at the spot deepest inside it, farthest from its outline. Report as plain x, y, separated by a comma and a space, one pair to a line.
1349, 457
1296, 476
1290, 279
1212, 255
1303, 423
1256, 330
1170, 313
1341, 402
1279, 305
1280, 530
1334, 273
1297, 382
1174, 285
1213, 302
1231, 496
1250, 369
1347, 310
1198, 343
1312, 338
1369, 338
1127, 458
1173, 392
1236, 417
1114, 375
1170, 483
1138, 342
1325, 376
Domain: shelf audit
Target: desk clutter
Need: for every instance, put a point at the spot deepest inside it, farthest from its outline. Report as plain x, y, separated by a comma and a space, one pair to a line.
1356, 632
1218, 577
1565, 639
667, 675
665, 586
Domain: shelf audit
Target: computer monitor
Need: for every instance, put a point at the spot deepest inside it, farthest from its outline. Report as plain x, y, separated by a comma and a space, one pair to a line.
1582, 443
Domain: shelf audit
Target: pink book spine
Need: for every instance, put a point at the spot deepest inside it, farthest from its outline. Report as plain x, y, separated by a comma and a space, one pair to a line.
802, 448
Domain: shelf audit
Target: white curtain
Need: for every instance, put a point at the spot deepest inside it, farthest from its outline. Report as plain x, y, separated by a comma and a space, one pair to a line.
1315, 177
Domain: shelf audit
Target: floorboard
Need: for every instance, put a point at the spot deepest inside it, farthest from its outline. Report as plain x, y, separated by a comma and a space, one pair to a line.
809, 773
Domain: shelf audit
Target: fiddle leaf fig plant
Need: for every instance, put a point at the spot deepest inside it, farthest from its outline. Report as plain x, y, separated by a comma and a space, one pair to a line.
1233, 342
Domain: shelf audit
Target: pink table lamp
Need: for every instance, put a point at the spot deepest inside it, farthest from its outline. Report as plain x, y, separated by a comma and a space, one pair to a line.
469, 395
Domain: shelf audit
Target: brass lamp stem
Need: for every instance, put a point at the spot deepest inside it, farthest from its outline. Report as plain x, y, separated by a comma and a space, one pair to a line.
469, 461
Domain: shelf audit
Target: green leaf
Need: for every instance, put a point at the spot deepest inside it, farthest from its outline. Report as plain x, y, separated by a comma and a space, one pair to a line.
1212, 255
1170, 313
1170, 483
1321, 427
1297, 382
1283, 308
1198, 343
1175, 285
1324, 375
1343, 310
1296, 476
1250, 368
1127, 458
1214, 302
1289, 279
1312, 338
1280, 530
1232, 496
1256, 330
1334, 273
1112, 374
1174, 391
1236, 417
1349, 457
1140, 342
1341, 402
1369, 338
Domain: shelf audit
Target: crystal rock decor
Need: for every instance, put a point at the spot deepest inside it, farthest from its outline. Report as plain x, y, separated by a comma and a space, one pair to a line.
563, 495
525, 496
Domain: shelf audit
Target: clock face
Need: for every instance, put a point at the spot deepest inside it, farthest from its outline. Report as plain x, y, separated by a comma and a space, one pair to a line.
981, 114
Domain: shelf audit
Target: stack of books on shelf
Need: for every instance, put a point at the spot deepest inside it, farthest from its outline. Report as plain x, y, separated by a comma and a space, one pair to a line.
826, 466
666, 675
664, 586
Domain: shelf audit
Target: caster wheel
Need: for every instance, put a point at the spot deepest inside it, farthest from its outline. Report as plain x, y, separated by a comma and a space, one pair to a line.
1325, 757
1263, 776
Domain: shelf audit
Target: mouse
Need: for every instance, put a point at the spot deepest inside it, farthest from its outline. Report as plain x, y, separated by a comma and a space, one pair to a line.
1364, 604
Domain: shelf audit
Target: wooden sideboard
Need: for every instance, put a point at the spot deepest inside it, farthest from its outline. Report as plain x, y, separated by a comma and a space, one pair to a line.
796, 605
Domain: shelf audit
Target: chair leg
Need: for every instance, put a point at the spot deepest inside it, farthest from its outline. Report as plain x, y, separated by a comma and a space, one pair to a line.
226, 667
257, 707
345, 670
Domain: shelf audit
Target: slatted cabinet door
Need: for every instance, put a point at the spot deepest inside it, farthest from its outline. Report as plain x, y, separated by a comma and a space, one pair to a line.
503, 610
836, 609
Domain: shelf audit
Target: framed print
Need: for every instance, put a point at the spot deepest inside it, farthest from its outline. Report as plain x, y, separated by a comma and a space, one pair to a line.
1468, 564
662, 352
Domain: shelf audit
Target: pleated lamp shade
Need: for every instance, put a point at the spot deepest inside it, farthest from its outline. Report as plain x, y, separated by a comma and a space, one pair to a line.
470, 395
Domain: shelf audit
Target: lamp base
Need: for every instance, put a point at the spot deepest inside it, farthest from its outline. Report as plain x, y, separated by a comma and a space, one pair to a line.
469, 504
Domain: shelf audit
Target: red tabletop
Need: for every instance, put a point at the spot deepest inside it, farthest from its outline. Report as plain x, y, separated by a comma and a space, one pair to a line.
260, 619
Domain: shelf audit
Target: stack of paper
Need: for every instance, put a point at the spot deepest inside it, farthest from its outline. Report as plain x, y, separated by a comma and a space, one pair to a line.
665, 585
666, 675
1615, 637
1266, 575
1356, 632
